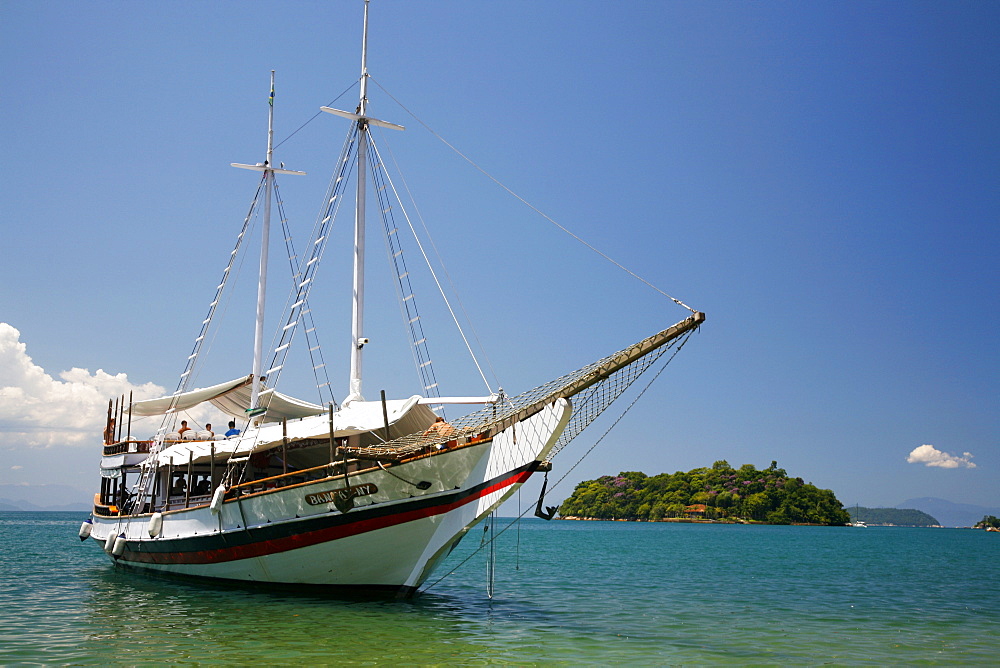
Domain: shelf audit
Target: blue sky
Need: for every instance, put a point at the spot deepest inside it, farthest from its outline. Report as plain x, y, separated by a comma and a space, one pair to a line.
820, 178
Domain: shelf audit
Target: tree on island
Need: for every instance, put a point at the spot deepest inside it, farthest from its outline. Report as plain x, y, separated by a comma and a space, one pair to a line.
743, 494
988, 522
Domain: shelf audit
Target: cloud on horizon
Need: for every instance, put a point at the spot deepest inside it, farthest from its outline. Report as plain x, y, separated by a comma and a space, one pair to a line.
37, 410
928, 455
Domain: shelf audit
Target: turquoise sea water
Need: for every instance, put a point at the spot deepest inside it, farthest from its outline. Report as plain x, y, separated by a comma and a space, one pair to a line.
567, 593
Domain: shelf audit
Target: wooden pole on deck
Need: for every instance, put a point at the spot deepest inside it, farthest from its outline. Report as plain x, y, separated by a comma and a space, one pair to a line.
107, 425
121, 409
113, 438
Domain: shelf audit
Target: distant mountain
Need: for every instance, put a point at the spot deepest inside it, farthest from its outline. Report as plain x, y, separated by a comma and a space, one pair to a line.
43, 497
950, 514
9, 505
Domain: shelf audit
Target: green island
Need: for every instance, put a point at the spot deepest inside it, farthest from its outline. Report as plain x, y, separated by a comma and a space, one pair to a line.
892, 517
720, 493
989, 522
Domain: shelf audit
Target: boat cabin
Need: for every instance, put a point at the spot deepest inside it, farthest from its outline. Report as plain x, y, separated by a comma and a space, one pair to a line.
269, 453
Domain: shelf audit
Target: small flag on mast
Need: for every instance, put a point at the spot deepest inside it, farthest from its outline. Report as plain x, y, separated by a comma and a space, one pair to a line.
270, 100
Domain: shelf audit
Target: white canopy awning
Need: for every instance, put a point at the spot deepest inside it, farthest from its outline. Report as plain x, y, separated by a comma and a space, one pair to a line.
279, 406
405, 416
185, 400
233, 399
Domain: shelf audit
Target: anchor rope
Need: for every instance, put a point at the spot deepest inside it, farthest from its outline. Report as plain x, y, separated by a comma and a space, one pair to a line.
517, 547
491, 558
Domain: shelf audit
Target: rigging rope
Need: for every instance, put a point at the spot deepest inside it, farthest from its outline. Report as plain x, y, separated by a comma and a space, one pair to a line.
529, 204
317, 246
598, 384
430, 268
320, 235
404, 288
148, 467
516, 520
312, 339
316, 115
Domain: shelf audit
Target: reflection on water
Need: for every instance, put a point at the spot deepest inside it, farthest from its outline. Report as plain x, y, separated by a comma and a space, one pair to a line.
75, 606
567, 592
139, 618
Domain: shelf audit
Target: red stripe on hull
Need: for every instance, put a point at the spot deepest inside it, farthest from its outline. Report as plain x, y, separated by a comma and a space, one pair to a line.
307, 539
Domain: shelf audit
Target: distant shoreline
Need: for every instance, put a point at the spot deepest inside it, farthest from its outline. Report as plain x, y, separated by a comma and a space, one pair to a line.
690, 520
82, 509
681, 520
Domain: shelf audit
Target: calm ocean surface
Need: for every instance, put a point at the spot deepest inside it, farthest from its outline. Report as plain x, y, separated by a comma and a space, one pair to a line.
566, 593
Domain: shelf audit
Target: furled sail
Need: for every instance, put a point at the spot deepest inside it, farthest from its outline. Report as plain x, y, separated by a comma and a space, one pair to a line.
233, 399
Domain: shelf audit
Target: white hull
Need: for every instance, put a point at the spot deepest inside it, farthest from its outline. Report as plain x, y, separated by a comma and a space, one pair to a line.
391, 539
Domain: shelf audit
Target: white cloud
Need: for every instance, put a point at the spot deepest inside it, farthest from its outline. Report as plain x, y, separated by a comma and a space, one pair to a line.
928, 455
38, 410
16, 467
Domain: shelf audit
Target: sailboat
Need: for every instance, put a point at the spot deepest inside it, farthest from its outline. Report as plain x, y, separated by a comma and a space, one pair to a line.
368, 495
856, 522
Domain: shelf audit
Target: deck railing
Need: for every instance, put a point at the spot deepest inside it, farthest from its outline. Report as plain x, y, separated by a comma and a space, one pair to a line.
124, 447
